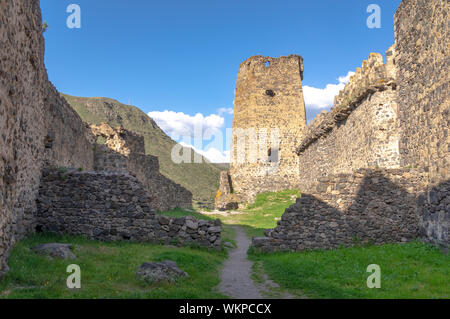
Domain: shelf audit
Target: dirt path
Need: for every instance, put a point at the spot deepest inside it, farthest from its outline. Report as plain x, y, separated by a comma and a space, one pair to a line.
236, 280
236, 276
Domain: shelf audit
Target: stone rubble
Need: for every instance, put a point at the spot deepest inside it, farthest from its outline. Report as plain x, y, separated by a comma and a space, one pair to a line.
160, 272
55, 250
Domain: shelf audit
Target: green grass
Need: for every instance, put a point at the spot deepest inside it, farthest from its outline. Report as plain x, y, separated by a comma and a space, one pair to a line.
413, 270
263, 213
108, 270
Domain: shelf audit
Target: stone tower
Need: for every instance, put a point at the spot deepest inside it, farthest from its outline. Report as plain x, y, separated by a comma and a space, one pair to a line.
269, 120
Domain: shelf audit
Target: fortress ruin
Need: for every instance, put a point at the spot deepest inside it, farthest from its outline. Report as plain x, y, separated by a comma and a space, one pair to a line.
375, 168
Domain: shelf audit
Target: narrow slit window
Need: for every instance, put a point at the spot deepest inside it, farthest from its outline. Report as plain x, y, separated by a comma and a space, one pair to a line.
272, 155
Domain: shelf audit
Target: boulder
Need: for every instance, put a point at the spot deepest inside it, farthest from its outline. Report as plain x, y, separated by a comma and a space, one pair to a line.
268, 232
214, 229
191, 224
157, 272
163, 220
55, 250
227, 244
260, 241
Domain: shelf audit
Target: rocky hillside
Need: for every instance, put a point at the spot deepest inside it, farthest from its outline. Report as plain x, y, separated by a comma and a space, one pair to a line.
201, 179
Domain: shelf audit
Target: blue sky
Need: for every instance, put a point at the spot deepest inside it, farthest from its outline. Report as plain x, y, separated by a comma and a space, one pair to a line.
179, 59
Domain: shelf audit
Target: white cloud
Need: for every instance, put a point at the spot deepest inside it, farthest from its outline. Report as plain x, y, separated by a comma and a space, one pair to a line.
212, 154
318, 99
178, 124
345, 79
225, 110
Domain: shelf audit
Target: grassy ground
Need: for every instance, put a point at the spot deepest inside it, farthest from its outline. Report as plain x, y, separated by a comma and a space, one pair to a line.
108, 271
262, 214
413, 270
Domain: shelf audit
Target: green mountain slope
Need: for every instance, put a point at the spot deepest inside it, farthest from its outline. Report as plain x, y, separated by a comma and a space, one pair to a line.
201, 179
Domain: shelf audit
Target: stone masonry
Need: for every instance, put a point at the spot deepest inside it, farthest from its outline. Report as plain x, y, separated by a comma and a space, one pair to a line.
113, 206
124, 151
226, 199
360, 131
423, 59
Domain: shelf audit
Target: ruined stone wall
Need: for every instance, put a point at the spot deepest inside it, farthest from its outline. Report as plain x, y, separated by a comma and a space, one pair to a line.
37, 126
113, 206
68, 140
225, 198
124, 151
423, 60
366, 206
269, 117
22, 91
360, 131
106, 159
166, 193
120, 140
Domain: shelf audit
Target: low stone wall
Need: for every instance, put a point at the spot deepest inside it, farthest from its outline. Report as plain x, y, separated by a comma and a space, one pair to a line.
113, 206
360, 131
378, 206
